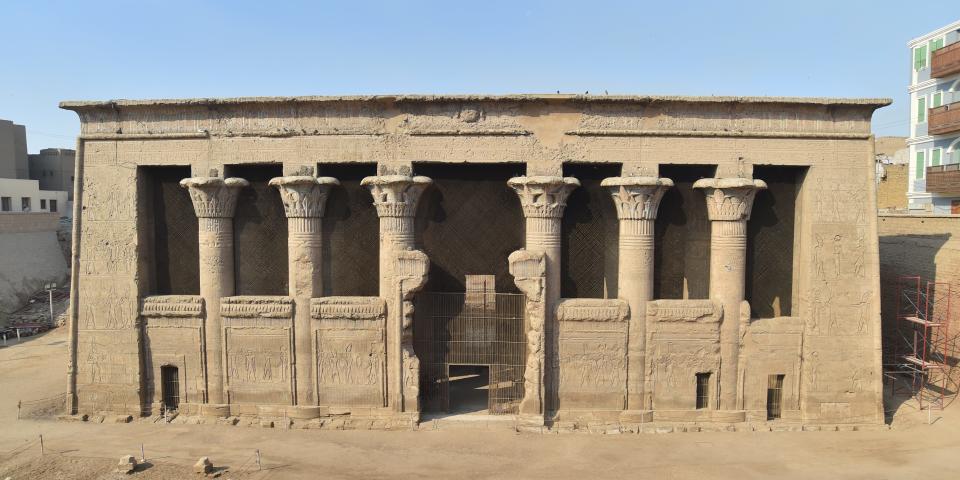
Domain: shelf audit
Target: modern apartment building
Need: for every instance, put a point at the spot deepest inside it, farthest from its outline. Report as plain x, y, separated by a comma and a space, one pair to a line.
53, 168
934, 182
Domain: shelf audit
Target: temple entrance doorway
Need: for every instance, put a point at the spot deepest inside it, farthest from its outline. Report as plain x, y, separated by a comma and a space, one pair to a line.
469, 326
472, 351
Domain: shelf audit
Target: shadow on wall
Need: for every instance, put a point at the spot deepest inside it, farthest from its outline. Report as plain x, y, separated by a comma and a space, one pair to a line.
928, 256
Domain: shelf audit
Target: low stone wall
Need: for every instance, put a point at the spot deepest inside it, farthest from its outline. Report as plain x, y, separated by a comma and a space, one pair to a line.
30, 256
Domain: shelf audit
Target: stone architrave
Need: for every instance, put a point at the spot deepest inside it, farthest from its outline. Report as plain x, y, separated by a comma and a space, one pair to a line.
304, 200
729, 202
529, 270
637, 200
403, 271
543, 199
215, 202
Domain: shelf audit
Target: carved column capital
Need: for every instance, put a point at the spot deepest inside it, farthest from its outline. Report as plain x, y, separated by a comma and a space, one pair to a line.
543, 197
529, 269
729, 199
214, 197
396, 195
637, 198
304, 196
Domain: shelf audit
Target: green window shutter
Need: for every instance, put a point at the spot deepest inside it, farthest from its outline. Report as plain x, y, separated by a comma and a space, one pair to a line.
937, 99
921, 165
921, 110
916, 59
936, 45
935, 157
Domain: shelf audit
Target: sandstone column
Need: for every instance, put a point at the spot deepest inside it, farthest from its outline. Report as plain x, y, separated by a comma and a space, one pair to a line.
215, 201
543, 199
304, 199
637, 200
729, 201
402, 271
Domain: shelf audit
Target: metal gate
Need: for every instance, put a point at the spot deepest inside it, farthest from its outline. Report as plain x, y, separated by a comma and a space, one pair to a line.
475, 328
170, 387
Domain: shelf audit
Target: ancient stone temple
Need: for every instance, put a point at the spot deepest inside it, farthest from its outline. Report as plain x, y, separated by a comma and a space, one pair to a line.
557, 258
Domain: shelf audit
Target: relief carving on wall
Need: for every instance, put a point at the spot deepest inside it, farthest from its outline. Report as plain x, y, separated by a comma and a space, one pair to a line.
350, 350
410, 275
528, 269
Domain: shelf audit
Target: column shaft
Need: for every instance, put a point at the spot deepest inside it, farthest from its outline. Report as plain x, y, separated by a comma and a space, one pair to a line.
729, 202
216, 281
728, 247
304, 244
637, 200
304, 201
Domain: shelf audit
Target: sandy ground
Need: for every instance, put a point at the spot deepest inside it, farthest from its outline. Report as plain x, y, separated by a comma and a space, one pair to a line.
36, 369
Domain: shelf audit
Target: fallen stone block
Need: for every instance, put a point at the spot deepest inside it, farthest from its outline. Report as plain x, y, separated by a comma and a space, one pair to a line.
127, 464
204, 466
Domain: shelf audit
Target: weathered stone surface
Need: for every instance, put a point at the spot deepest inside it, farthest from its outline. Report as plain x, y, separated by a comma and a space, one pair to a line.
630, 358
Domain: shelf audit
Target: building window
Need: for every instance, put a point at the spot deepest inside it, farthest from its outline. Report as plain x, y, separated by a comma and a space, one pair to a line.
935, 156
936, 45
937, 100
774, 396
53, 205
25, 204
5, 204
921, 164
921, 110
43, 204
703, 390
920, 58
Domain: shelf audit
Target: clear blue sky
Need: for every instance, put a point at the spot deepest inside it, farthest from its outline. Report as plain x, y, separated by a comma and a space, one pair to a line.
57, 50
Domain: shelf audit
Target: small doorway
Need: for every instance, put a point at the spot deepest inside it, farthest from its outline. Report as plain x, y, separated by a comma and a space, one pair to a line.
469, 388
170, 387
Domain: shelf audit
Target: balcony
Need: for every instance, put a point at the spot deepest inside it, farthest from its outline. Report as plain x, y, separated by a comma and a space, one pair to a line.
944, 120
944, 179
946, 61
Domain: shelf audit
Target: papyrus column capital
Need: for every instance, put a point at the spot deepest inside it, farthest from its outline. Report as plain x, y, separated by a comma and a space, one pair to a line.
637, 198
729, 199
396, 195
214, 197
542, 196
304, 196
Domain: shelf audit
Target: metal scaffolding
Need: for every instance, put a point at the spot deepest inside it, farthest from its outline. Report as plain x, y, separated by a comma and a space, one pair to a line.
919, 360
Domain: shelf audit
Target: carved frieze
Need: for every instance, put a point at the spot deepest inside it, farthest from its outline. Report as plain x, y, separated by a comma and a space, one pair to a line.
699, 311
172, 306
354, 308
256, 307
592, 310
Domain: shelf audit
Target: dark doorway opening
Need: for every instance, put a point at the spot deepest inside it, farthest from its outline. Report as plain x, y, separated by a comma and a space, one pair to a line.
170, 387
259, 232
469, 222
469, 388
774, 396
770, 241
168, 230
351, 232
589, 234
682, 236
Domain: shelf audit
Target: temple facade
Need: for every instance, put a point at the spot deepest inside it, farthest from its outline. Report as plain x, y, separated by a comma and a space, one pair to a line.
563, 259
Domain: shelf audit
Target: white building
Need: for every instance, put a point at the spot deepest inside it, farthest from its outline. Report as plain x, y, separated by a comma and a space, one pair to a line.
934, 140
24, 196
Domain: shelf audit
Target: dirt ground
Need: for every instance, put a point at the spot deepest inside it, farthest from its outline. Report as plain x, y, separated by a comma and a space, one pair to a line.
36, 369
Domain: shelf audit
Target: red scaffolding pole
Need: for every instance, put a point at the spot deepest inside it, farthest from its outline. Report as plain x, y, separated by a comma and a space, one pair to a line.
923, 342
